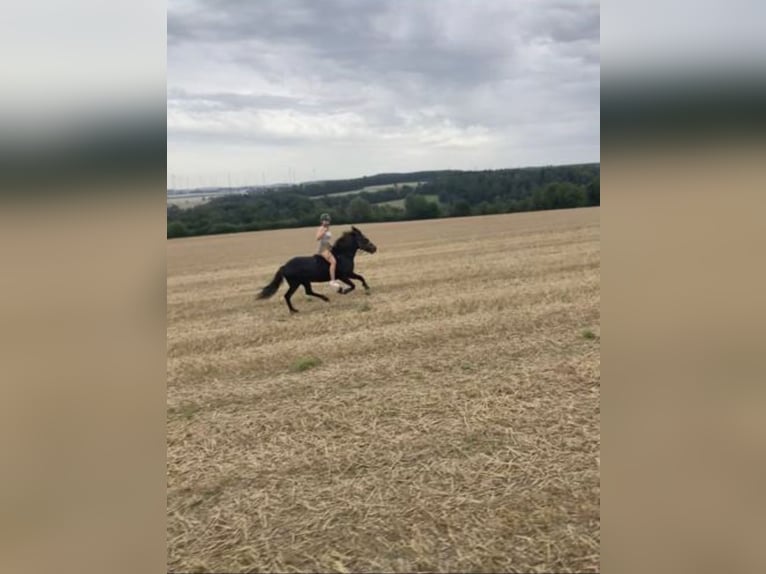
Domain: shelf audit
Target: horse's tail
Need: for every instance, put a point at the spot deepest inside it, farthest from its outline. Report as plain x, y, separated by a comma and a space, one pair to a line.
272, 287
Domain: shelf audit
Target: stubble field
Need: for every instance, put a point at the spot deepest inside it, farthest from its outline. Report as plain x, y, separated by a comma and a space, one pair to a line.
447, 421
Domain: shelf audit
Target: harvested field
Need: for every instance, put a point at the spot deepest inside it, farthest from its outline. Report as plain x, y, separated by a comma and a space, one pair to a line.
447, 421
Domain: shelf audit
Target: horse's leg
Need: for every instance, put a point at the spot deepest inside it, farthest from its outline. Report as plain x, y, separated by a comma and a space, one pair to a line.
360, 278
290, 291
350, 285
310, 291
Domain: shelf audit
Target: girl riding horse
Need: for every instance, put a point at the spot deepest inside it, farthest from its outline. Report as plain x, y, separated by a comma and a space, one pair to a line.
323, 236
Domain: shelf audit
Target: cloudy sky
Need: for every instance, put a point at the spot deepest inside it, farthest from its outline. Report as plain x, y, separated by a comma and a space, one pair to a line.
294, 90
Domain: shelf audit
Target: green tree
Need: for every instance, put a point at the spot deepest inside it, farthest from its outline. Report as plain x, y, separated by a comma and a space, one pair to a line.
359, 210
559, 195
177, 229
594, 192
418, 207
572, 195
224, 227
461, 208
484, 208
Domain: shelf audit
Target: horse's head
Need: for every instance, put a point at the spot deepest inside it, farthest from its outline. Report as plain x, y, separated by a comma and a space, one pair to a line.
362, 241
350, 241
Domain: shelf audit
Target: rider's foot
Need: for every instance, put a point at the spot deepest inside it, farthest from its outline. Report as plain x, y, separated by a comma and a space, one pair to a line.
335, 284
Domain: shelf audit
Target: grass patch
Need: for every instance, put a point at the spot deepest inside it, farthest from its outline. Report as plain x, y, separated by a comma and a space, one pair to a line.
304, 364
588, 334
372, 188
393, 203
185, 410
433, 198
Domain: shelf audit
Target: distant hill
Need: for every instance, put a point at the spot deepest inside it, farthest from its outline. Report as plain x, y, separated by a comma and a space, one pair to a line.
387, 197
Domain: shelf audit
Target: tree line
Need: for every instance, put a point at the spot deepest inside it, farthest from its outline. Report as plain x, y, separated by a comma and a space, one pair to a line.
439, 194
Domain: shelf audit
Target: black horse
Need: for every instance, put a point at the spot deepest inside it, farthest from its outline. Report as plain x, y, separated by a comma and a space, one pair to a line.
315, 269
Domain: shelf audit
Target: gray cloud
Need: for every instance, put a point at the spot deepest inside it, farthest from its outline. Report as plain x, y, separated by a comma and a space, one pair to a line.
388, 75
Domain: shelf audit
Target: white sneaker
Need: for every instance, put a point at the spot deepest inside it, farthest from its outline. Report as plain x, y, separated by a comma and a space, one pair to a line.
335, 284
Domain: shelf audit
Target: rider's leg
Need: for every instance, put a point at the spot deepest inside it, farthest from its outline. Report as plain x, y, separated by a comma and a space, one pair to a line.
333, 264
331, 260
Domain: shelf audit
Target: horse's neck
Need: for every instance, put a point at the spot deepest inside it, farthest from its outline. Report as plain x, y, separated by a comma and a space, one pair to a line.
349, 254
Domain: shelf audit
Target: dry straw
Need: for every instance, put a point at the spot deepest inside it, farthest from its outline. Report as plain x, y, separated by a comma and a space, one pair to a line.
448, 422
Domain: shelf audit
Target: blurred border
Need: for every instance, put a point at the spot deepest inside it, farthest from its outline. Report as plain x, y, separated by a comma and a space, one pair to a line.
82, 316
682, 308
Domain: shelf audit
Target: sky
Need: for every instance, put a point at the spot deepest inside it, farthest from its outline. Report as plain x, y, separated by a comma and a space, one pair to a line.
271, 91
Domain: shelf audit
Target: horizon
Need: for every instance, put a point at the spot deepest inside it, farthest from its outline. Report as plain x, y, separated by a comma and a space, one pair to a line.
382, 173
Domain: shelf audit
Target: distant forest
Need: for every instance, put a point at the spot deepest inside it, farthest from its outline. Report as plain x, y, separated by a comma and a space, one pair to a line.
395, 197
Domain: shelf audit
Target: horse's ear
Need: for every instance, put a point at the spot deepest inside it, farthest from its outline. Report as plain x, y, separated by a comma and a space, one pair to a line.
355, 229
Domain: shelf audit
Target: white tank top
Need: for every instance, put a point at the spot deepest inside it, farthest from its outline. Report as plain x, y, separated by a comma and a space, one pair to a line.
324, 241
